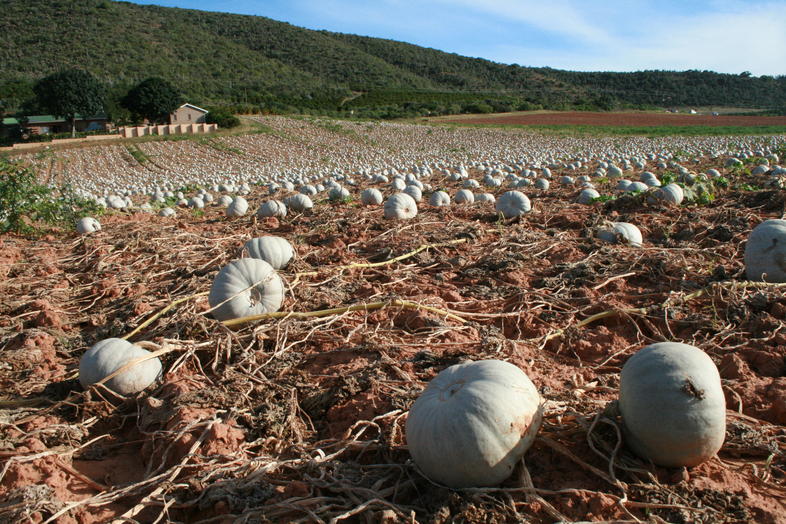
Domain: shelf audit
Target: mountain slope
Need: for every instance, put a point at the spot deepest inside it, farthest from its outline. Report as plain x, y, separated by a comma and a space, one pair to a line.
219, 58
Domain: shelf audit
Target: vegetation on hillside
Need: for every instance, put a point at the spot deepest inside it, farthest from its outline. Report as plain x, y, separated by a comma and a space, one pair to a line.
252, 64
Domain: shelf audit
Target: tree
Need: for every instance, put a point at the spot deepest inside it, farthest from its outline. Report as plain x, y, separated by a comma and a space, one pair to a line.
68, 93
223, 117
153, 99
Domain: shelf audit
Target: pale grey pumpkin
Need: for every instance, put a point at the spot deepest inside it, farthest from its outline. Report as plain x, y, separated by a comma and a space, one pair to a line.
238, 207
439, 198
671, 193
473, 423
246, 287
224, 200
196, 202
371, 197
587, 196
276, 251
672, 405
414, 191
400, 206
299, 203
485, 198
512, 204
272, 208
464, 196
338, 193
765, 252
109, 355
636, 186
87, 225
620, 232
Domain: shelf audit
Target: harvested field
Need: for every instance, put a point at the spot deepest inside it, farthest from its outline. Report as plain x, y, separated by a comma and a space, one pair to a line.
297, 418
645, 119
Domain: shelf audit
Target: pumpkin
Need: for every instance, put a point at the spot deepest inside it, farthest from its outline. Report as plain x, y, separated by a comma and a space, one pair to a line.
439, 198
337, 194
464, 196
636, 186
765, 252
623, 184
299, 203
238, 207
621, 232
415, 192
473, 423
167, 212
109, 355
671, 193
276, 251
542, 183
512, 204
672, 405
485, 198
272, 208
400, 206
246, 287
587, 196
224, 200
371, 197
196, 202
87, 225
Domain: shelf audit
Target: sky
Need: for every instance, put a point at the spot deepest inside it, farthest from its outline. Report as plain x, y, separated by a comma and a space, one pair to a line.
727, 36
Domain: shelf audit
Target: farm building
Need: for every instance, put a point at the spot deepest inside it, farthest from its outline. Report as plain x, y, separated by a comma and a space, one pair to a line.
45, 124
188, 114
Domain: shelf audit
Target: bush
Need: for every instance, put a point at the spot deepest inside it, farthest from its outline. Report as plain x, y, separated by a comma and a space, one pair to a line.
25, 204
223, 118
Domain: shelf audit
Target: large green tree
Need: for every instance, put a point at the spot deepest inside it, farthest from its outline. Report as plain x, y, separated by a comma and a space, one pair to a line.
68, 93
153, 99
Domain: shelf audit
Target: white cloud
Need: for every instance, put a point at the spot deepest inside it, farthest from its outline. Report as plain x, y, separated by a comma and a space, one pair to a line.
735, 37
567, 18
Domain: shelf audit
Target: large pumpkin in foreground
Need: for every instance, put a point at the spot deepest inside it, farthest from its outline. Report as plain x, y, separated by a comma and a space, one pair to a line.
245, 287
473, 423
672, 405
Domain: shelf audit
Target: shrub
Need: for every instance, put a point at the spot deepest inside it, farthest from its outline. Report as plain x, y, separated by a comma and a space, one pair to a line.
25, 204
223, 118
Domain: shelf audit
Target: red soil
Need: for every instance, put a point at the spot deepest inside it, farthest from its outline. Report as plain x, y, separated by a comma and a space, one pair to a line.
580, 118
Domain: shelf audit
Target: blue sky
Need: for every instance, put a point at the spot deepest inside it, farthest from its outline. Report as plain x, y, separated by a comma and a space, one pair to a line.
728, 36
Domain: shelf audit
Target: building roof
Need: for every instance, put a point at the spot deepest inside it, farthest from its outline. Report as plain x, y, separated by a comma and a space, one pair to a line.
192, 106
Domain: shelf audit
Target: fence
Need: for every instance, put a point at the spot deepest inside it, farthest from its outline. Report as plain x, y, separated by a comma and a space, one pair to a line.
175, 129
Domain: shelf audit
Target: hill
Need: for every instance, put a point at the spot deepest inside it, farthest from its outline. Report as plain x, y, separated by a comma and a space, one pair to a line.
253, 62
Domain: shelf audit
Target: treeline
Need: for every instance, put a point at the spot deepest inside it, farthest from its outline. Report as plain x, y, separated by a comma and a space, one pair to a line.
252, 64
